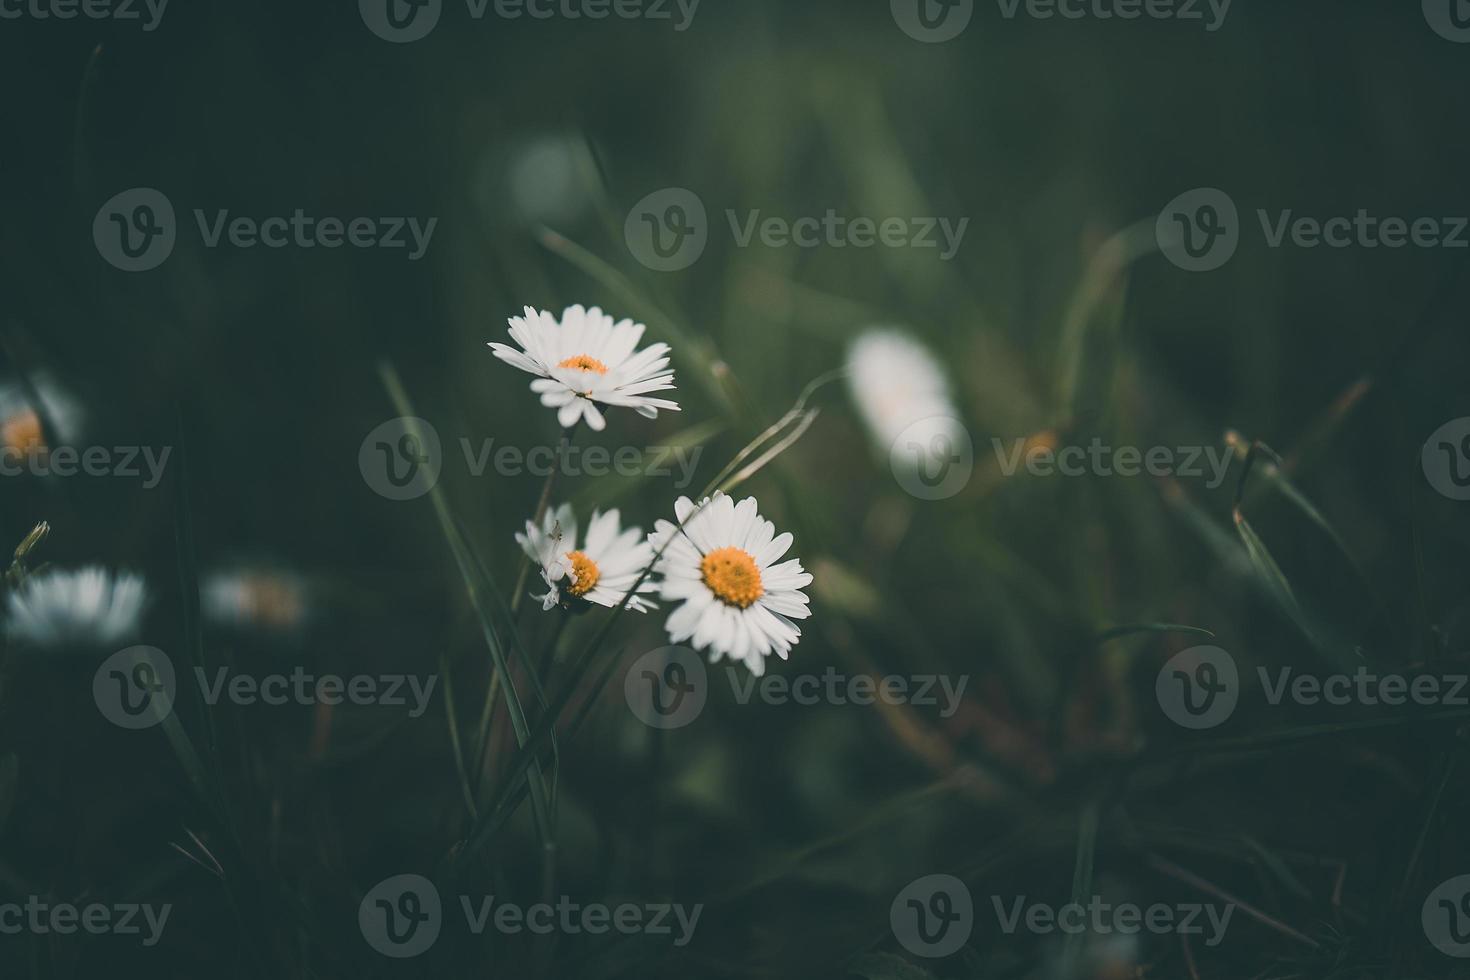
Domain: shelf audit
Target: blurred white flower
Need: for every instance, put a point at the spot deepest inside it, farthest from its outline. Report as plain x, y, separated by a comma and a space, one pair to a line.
21, 421
259, 598
90, 606
901, 392
602, 571
586, 358
722, 563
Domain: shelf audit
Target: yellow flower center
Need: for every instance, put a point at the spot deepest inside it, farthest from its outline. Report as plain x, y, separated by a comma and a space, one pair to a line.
22, 434
583, 362
732, 576
584, 573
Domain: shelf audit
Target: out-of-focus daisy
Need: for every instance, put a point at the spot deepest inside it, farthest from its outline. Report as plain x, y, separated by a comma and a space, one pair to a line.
901, 392
255, 597
23, 408
603, 570
722, 563
90, 606
587, 358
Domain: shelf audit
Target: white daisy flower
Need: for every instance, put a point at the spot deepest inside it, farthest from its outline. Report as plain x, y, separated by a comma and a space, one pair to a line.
737, 601
265, 598
91, 606
902, 393
601, 571
21, 418
586, 358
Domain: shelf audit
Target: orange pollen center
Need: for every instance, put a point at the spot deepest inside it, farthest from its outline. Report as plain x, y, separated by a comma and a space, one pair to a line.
22, 432
584, 573
583, 362
732, 576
